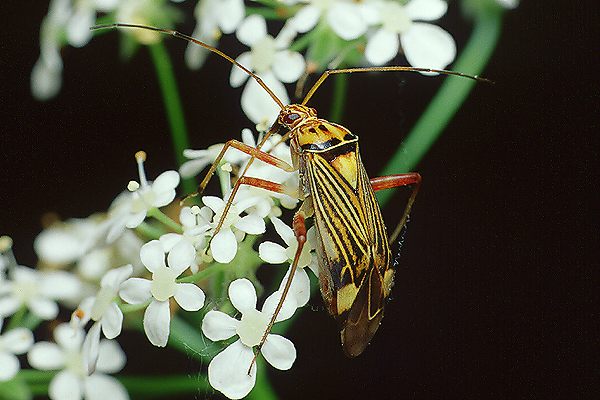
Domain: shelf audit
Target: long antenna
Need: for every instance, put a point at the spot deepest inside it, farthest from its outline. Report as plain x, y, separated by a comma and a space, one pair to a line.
329, 72
199, 43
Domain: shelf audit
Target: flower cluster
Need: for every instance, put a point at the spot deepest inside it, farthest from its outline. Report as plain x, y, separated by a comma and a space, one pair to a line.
136, 262
370, 32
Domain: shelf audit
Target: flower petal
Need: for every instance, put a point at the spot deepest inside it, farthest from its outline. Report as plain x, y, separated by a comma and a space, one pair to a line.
288, 66
279, 352
238, 76
258, 105
428, 45
306, 18
46, 356
136, 290
111, 358
300, 287
115, 277
286, 233
346, 21
43, 308
287, 309
189, 296
153, 255
382, 47
232, 13
252, 224
9, 366
217, 325
228, 371
68, 338
8, 306
102, 387
223, 246
165, 182
157, 320
65, 386
242, 294
17, 340
112, 321
252, 29
272, 253
90, 348
181, 256
426, 10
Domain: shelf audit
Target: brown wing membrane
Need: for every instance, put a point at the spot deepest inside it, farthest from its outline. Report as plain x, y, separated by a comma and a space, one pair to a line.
364, 316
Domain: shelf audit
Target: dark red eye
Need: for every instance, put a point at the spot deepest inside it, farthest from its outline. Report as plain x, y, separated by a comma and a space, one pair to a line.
289, 119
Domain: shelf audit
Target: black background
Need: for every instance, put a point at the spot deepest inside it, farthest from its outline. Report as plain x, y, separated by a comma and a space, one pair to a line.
493, 294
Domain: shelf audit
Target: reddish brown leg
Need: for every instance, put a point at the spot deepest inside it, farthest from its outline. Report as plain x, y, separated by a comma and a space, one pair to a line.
299, 227
393, 181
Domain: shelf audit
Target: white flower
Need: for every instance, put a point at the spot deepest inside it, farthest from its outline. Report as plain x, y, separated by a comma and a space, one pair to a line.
214, 17
73, 381
510, 4
183, 247
224, 244
349, 19
270, 58
83, 15
46, 76
145, 12
125, 250
130, 208
424, 45
38, 291
104, 311
64, 243
200, 159
228, 371
159, 290
13, 342
274, 253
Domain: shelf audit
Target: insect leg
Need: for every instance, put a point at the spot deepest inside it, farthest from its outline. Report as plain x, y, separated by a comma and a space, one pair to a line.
392, 181
299, 227
252, 151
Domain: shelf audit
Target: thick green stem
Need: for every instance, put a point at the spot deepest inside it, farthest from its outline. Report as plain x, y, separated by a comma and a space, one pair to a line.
173, 106
448, 99
340, 88
164, 386
164, 219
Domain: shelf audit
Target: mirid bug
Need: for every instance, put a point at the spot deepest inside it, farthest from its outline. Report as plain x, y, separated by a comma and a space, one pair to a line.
355, 271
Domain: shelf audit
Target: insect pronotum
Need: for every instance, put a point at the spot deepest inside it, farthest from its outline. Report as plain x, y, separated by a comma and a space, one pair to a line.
355, 271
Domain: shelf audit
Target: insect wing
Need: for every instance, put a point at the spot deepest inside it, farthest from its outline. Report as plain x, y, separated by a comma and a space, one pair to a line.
354, 254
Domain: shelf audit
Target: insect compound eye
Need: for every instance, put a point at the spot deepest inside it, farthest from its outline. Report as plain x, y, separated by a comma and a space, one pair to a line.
289, 119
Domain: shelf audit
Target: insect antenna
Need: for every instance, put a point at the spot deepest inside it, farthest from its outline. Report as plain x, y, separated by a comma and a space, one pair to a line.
329, 72
199, 43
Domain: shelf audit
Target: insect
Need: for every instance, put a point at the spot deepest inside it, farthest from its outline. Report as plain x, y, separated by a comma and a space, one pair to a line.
355, 263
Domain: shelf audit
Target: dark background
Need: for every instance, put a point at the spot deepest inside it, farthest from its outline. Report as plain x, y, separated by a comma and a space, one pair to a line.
495, 286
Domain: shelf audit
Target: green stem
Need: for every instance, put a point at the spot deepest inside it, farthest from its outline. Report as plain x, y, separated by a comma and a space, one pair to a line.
340, 88
164, 219
160, 386
149, 231
205, 273
173, 106
453, 92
